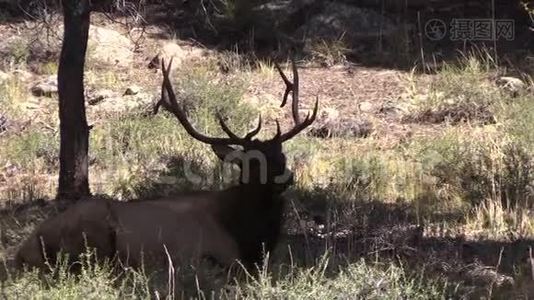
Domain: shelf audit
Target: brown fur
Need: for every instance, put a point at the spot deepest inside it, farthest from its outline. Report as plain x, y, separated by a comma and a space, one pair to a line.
85, 224
136, 231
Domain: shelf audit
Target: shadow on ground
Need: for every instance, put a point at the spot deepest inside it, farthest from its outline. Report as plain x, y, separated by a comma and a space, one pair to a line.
374, 231
389, 232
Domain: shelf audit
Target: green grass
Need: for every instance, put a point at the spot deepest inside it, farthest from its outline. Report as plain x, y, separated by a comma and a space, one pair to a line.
13, 96
94, 281
460, 93
18, 51
360, 279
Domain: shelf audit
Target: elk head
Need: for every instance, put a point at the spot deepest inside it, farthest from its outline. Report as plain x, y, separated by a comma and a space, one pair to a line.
261, 162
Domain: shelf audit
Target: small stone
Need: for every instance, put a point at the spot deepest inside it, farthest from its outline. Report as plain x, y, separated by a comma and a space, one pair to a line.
178, 54
511, 84
167, 52
366, 107
344, 127
47, 87
3, 76
132, 90
109, 47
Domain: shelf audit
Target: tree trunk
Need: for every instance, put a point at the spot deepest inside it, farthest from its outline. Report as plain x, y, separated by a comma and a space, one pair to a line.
74, 141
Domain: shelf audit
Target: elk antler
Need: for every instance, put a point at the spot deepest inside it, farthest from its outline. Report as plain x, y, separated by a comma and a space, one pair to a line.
169, 102
294, 87
291, 87
301, 126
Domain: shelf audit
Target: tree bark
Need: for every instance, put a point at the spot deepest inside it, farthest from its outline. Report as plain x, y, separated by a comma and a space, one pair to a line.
74, 131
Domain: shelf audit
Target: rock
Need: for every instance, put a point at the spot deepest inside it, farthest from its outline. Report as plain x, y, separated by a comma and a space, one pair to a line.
366, 107
98, 96
109, 47
47, 87
168, 51
483, 275
330, 124
396, 107
132, 90
3, 76
178, 54
119, 104
512, 84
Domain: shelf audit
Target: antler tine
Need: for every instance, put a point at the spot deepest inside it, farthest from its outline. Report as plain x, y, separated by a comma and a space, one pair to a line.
225, 127
295, 103
232, 135
168, 100
255, 131
158, 104
278, 130
164, 97
301, 126
291, 87
289, 84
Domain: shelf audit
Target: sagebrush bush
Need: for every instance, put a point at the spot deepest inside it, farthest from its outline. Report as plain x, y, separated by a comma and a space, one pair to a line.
14, 94
462, 92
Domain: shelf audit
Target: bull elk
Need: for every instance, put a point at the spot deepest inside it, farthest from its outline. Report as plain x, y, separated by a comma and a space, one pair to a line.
239, 223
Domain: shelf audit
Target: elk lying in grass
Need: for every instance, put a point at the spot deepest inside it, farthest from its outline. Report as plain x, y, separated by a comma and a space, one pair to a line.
239, 223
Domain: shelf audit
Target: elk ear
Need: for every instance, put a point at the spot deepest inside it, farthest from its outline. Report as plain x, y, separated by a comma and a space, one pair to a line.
228, 154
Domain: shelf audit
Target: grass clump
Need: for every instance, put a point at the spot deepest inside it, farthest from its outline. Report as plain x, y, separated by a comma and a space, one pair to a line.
26, 161
203, 95
459, 93
139, 156
30, 149
329, 52
17, 52
94, 281
486, 176
492, 219
14, 95
358, 280
516, 119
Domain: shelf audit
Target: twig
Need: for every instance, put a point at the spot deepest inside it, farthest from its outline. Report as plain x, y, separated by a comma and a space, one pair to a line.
494, 32
420, 34
531, 258
490, 292
171, 280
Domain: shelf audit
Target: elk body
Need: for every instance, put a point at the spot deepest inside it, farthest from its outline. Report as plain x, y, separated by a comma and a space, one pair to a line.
239, 223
